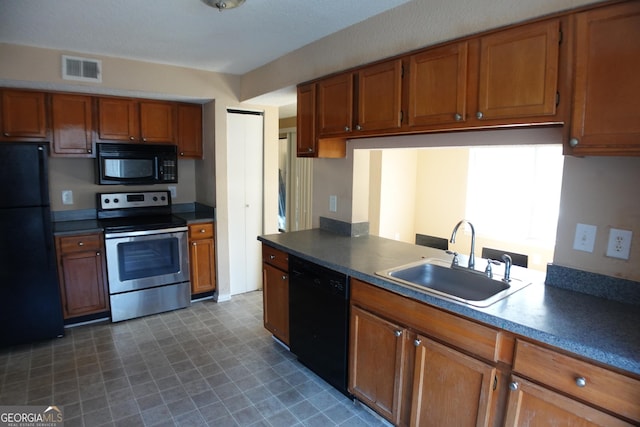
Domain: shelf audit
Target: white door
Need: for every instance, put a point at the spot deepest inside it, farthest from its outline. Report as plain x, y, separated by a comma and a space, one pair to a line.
245, 136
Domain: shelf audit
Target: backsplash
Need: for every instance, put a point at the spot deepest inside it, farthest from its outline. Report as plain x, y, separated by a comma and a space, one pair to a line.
611, 288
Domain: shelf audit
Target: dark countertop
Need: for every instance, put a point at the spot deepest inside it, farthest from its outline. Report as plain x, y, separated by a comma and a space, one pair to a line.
85, 221
599, 329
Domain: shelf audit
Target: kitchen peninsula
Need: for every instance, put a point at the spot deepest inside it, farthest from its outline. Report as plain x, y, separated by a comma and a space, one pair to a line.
579, 326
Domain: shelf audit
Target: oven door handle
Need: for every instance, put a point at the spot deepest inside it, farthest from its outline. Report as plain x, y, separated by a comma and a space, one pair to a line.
145, 232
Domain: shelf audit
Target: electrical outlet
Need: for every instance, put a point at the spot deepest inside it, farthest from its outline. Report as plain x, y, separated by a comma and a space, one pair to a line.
585, 237
173, 190
67, 197
333, 203
619, 243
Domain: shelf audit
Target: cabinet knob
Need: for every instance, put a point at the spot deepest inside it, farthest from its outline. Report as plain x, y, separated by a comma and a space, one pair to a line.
80, 243
417, 342
358, 127
309, 149
479, 115
182, 153
284, 277
397, 333
573, 142
202, 230
97, 253
457, 117
272, 257
513, 386
347, 128
581, 381
193, 243
6, 134
89, 151
131, 138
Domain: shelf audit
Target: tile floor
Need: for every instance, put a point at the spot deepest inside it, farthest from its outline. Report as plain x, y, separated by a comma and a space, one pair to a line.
210, 364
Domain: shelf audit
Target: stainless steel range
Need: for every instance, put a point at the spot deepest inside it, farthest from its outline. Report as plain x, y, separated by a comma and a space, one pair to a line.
146, 253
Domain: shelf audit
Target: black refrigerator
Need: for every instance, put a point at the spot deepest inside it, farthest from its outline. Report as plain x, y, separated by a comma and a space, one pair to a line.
30, 308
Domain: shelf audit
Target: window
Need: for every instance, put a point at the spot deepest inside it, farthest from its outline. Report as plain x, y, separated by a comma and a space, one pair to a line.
513, 192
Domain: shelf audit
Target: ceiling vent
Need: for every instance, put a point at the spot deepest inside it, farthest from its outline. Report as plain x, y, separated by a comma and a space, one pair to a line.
83, 69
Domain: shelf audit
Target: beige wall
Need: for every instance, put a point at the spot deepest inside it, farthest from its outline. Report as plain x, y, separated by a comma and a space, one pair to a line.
204, 181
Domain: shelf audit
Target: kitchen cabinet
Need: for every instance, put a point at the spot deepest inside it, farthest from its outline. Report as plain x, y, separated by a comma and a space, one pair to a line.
132, 120
202, 258
23, 115
72, 122
82, 274
306, 144
189, 136
335, 105
561, 388
437, 87
449, 374
275, 292
605, 116
381, 347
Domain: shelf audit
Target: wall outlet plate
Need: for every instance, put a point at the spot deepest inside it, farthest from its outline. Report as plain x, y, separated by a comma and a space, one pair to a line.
67, 197
333, 203
173, 190
619, 243
585, 237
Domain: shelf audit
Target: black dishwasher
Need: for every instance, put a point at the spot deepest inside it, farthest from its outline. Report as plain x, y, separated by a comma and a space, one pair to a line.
319, 320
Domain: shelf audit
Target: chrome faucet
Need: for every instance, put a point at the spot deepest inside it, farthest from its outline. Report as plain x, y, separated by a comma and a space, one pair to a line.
472, 257
506, 258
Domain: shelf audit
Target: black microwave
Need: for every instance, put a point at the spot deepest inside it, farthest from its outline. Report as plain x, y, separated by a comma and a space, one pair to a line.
136, 164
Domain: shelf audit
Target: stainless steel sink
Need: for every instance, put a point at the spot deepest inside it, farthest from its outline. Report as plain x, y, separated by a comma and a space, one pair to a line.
436, 276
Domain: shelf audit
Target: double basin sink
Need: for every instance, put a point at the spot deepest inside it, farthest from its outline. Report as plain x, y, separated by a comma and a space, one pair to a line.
437, 277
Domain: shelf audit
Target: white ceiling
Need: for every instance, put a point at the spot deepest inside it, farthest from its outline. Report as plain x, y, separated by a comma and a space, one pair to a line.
182, 32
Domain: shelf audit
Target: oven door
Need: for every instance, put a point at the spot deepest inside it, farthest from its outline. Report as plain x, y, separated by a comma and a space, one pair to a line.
144, 259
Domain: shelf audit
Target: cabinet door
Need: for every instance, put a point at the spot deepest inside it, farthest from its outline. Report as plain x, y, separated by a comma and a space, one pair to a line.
533, 405
71, 117
379, 96
190, 131
377, 353
202, 256
83, 283
118, 120
157, 122
450, 388
519, 72
306, 121
438, 85
335, 105
23, 115
605, 117
276, 301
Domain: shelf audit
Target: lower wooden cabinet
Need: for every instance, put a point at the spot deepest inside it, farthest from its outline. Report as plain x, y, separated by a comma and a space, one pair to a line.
202, 258
275, 292
82, 274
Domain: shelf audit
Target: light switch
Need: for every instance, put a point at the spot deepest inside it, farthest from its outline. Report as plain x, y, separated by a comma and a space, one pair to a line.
585, 237
333, 203
67, 197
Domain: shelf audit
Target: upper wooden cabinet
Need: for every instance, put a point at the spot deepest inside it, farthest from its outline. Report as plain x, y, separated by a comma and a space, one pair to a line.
605, 117
306, 121
335, 105
23, 115
189, 131
71, 118
518, 72
131, 120
437, 86
379, 90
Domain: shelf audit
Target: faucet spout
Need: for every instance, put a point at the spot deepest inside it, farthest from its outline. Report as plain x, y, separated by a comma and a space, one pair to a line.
472, 257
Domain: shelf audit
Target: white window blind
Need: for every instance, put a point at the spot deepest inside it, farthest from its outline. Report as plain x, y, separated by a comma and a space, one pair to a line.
513, 193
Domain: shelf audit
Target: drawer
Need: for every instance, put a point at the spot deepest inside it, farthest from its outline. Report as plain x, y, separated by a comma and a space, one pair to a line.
275, 257
201, 231
80, 242
602, 387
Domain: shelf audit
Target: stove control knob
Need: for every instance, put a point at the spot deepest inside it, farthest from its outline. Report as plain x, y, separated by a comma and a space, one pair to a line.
107, 201
155, 199
163, 198
116, 200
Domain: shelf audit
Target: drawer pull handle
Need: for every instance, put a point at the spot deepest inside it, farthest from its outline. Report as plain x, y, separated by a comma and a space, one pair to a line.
581, 381
417, 342
397, 333
513, 386
202, 230
80, 243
